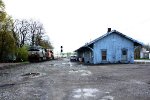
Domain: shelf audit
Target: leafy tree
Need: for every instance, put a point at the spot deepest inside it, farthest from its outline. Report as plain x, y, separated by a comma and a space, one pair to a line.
16, 34
7, 42
2, 6
2, 11
46, 44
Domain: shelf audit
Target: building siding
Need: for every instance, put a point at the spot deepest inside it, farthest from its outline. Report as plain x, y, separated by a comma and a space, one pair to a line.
113, 44
88, 57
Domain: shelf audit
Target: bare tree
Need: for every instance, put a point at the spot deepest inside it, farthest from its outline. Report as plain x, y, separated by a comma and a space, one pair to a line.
20, 31
33, 28
37, 30
29, 31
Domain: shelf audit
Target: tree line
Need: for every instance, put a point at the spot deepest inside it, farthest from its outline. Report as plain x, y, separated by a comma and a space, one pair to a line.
16, 35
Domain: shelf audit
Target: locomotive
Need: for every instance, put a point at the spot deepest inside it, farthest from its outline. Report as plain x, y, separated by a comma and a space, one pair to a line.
38, 53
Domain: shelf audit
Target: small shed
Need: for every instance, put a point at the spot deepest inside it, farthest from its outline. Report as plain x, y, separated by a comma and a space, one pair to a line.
112, 47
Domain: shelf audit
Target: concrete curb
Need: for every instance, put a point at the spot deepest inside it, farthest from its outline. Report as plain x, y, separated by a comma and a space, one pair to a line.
141, 61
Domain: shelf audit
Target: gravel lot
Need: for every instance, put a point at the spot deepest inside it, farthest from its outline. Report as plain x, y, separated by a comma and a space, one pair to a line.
64, 80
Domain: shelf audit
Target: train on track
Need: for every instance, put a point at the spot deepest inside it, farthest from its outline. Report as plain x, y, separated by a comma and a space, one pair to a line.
38, 54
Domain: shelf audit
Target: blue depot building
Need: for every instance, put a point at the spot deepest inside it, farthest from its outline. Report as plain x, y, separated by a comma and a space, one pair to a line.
112, 47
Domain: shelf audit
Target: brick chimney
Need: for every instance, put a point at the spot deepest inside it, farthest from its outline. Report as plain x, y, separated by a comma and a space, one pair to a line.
109, 30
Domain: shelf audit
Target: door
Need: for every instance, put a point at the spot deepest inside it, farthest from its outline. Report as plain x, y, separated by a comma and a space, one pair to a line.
124, 54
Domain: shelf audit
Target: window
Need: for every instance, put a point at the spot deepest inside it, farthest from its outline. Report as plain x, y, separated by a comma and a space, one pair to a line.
124, 52
104, 54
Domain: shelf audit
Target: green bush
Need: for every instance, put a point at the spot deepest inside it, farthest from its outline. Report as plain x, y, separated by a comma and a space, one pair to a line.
22, 54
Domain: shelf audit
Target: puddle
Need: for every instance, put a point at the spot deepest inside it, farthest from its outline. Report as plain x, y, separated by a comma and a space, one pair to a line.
31, 74
55, 65
6, 85
107, 98
64, 63
51, 64
90, 94
81, 72
148, 82
85, 93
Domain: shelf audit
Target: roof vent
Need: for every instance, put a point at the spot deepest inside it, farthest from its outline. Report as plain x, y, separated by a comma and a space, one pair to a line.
109, 30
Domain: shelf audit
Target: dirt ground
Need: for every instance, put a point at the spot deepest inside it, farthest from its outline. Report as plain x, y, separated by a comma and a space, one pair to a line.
65, 80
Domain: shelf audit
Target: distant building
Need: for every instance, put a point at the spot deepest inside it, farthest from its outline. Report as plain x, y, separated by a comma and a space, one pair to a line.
112, 47
144, 54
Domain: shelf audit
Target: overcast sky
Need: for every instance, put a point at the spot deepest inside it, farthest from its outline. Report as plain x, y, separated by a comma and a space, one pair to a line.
72, 23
